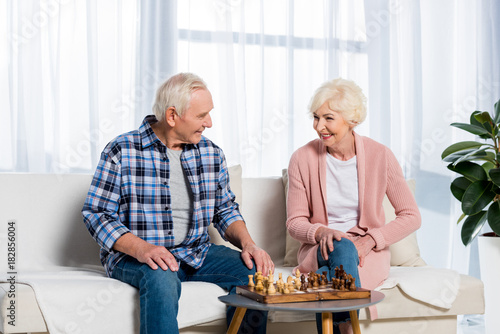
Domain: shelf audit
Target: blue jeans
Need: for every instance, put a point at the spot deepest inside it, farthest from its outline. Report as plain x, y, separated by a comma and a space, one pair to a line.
159, 290
344, 253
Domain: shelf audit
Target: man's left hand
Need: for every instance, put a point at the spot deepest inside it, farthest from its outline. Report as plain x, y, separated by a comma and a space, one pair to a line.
263, 261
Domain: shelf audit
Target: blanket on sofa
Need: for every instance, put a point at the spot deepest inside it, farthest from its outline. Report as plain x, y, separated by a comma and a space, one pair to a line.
434, 286
84, 301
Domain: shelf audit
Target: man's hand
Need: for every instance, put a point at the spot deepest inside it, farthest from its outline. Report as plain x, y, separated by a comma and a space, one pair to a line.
364, 245
155, 256
262, 260
152, 255
325, 236
238, 235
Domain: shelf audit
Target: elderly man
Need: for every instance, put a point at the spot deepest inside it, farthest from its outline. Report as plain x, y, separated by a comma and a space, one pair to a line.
154, 194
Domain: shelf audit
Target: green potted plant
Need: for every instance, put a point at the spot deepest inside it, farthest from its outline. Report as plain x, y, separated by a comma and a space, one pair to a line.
478, 189
478, 164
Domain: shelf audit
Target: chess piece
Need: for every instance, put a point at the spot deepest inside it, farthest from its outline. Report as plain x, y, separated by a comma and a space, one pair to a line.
298, 284
303, 284
271, 277
272, 289
323, 280
315, 282
289, 282
280, 283
352, 287
259, 286
341, 271
251, 283
337, 283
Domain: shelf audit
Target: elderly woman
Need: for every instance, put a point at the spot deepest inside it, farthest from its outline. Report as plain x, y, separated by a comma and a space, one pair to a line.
336, 187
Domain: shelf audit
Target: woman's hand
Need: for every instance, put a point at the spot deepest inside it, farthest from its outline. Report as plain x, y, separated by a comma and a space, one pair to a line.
325, 236
364, 245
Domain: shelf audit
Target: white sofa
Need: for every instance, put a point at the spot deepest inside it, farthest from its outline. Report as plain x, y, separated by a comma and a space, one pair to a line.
61, 287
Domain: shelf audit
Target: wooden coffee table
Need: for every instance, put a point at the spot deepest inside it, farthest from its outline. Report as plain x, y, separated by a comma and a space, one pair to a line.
324, 307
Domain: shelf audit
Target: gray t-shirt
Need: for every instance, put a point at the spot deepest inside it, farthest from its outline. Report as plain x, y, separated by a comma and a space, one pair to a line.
182, 199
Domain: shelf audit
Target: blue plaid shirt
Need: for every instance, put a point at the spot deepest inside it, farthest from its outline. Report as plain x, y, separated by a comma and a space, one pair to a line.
130, 193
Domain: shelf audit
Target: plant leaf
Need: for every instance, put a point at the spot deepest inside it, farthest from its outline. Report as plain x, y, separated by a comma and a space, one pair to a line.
470, 170
477, 196
494, 217
473, 120
477, 118
462, 216
474, 129
473, 155
495, 176
457, 147
472, 226
497, 112
465, 155
458, 187
488, 165
482, 117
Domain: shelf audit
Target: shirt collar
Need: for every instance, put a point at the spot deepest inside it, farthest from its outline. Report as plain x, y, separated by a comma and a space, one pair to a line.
148, 136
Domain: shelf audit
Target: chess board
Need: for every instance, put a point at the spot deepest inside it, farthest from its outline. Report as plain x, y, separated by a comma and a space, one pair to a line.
321, 293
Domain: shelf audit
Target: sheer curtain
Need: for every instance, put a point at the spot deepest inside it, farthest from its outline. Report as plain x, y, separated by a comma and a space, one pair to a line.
68, 73
431, 64
75, 74
263, 60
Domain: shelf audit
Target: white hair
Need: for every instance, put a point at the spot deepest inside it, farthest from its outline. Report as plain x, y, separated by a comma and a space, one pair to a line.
344, 97
176, 92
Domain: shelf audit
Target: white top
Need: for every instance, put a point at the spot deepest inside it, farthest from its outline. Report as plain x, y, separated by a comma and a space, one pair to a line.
342, 193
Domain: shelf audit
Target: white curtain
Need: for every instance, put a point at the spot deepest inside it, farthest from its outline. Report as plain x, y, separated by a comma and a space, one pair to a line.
432, 63
263, 60
75, 74
67, 78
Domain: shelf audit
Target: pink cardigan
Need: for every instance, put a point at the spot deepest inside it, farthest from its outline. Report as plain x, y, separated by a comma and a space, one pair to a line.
378, 174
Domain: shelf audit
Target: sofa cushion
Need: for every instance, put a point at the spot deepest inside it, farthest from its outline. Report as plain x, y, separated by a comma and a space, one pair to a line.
235, 182
235, 173
403, 253
292, 245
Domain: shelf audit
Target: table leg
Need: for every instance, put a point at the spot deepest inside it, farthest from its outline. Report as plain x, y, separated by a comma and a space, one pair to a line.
355, 322
236, 322
327, 322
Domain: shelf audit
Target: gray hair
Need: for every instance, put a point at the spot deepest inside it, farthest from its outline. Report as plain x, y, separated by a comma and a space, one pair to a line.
176, 92
344, 97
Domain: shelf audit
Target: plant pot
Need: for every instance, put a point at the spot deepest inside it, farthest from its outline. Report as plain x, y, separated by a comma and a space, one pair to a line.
489, 260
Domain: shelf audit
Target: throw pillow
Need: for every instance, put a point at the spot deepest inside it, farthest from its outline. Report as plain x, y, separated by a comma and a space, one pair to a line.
235, 183
292, 245
405, 252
